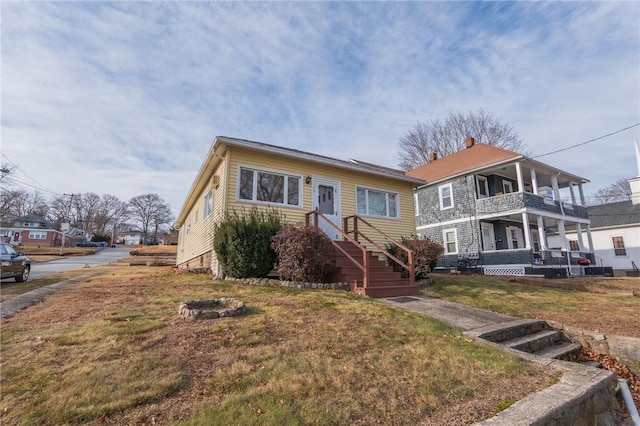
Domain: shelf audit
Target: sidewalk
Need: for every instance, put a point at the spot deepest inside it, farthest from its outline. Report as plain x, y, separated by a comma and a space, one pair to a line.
11, 306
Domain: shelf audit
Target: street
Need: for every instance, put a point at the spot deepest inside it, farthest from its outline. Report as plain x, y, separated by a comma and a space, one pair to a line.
101, 257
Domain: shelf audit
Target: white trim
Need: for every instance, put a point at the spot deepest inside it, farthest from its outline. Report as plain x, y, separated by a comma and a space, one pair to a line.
485, 185
285, 174
384, 191
440, 188
505, 184
447, 223
444, 240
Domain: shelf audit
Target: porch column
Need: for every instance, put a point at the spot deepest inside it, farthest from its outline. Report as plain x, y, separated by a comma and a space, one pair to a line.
580, 240
542, 234
556, 190
573, 195
519, 175
563, 235
590, 239
527, 231
534, 181
582, 200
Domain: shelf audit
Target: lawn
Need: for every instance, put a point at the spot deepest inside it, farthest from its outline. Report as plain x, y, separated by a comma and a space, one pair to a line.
113, 351
607, 305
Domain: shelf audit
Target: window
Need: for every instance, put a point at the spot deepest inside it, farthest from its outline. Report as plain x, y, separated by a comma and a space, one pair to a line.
188, 226
450, 237
507, 186
573, 245
195, 218
208, 205
618, 246
377, 203
483, 186
269, 187
446, 197
35, 235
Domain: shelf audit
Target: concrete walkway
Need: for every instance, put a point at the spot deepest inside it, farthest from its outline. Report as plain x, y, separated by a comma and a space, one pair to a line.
11, 306
461, 317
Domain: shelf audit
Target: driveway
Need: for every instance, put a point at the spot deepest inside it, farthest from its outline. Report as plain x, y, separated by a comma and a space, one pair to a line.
102, 257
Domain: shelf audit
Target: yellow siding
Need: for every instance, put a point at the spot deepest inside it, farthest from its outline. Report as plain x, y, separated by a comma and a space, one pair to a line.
199, 240
395, 228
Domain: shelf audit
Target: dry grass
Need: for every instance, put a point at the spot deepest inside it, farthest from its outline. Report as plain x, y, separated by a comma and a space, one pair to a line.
155, 251
113, 351
608, 305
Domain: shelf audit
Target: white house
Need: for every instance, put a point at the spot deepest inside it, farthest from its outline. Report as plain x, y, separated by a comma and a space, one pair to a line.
615, 231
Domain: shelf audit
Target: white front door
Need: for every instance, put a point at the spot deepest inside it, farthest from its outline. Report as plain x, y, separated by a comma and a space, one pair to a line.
488, 237
326, 200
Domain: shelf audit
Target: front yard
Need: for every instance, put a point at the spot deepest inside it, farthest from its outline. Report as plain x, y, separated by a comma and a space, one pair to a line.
113, 350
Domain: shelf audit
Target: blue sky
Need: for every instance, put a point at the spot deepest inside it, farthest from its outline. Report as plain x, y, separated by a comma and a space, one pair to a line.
126, 98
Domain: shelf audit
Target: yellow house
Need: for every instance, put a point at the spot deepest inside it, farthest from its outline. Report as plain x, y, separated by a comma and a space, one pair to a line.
238, 175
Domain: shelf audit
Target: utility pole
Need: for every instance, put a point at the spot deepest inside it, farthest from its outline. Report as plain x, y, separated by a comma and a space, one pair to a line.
66, 225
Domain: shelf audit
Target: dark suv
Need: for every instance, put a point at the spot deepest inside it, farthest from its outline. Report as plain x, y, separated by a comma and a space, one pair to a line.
15, 265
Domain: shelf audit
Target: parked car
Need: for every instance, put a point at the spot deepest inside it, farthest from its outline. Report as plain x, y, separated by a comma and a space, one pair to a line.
86, 244
14, 264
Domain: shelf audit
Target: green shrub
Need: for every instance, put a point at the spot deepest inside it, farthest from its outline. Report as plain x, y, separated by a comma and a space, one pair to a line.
425, 255
242, 242
305, 253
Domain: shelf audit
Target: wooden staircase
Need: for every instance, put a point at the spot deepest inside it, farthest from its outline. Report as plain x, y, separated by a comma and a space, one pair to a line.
382, 280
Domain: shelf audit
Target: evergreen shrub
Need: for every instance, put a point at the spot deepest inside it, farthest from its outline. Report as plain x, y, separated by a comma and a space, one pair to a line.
242, 242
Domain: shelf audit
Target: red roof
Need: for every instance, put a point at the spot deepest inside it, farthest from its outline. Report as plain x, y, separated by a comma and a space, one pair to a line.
478, 156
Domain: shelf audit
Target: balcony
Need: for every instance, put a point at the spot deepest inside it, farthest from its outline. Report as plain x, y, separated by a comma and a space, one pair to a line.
519, 200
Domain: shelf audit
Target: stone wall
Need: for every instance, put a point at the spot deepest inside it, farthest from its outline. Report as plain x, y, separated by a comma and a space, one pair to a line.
293, 284
625, 349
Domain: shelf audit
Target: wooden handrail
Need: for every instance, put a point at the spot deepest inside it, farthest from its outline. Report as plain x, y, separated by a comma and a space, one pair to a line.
364, 267
356, 232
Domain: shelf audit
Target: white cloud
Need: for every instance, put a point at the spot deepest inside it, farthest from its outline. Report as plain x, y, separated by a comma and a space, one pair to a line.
125, 98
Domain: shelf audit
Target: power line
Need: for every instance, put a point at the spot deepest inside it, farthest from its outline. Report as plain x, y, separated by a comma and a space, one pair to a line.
41, 186
584, 143
35, 187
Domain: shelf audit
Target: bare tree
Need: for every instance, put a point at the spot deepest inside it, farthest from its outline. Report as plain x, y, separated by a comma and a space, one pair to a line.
447, 136
616, 192
149, 210
86, 207
110, 210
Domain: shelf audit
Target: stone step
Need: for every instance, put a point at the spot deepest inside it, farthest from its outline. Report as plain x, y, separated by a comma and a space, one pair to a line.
563, 350
535, 342
514, 330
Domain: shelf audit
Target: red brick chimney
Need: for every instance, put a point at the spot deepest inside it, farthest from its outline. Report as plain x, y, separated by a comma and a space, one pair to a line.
470, 141
433, 157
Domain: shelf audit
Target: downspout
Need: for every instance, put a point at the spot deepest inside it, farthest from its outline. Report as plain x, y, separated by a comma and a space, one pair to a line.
218, 272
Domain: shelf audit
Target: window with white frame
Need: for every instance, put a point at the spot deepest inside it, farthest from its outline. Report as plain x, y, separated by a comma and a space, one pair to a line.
208, 205
507, 186
445, 193
195, 217
263, 186
36, 235
618, 246
450, 238
374, 202
483, 186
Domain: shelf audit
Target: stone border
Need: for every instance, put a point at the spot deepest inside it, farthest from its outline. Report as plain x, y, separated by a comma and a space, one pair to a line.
289, 284
211, 308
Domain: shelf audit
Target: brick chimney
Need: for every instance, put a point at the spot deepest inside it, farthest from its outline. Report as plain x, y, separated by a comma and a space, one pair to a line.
470, 141
433, 157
